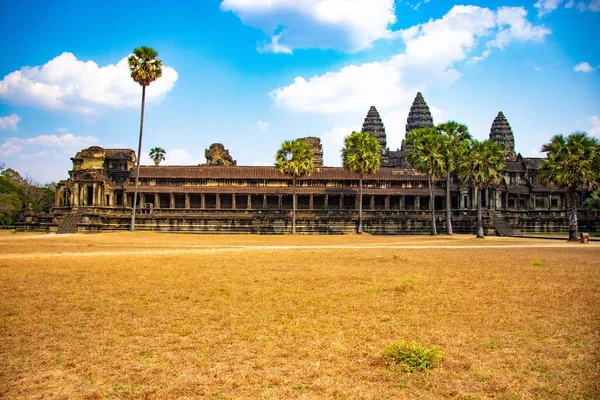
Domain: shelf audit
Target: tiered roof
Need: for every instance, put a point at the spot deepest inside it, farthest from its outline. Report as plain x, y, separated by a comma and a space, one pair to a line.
374, 126
502, 134
419, 115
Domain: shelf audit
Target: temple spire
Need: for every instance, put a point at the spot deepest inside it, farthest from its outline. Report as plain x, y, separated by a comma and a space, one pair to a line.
502, 134
419, 115
374, 126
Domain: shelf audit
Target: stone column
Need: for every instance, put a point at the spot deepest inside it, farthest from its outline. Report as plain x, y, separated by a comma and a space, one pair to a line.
310, 202
249, 205
280, 201
403, 202
57, 196
265, 201
387, 202
187, 201
233, 202
549, 201
142, 202
356, 202
417, 202
156, 200
341, 201
326, 204
218, 201
203, 201
372, 202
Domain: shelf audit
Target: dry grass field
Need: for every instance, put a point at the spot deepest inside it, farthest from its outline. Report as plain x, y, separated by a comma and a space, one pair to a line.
149, 315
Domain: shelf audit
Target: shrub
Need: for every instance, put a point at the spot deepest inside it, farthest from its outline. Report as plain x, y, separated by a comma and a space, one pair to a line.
537, 263
413, 357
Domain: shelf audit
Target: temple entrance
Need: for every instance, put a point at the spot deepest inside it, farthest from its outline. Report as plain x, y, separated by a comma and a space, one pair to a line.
118, 198
89, 195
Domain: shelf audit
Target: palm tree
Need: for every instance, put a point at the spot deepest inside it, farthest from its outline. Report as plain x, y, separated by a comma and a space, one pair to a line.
361, 155
294, 159
480, 165
157, 154
572, 163
454, 134
426, 152
592, 203
145, 68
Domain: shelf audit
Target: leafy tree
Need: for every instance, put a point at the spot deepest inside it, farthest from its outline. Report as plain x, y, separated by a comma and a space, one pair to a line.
145, 68
592, 203
454, 134
572, 163
19, 195
361, 156
294, 159
426, 152
480, 164
157, 154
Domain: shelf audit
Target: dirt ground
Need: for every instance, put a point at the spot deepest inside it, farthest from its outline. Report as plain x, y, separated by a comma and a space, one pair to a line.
155, 315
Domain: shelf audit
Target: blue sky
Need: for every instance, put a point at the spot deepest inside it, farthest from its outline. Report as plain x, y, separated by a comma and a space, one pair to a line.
253, 73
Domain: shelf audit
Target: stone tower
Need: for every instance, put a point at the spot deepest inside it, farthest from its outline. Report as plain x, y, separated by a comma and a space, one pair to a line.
419, 115
374, 126
502, 134
317, 150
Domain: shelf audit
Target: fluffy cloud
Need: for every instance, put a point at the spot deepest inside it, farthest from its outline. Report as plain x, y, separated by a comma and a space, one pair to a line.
343, 25
584, 67
546, 6
43, 157
10, 122
432, 50
68, 84
262, 125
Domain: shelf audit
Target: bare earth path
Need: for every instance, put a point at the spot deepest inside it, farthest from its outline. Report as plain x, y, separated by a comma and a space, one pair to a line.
154, 315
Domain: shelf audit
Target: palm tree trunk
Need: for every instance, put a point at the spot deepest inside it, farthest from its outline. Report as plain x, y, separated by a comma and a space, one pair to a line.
573, 220
360, 198
293, 205
139, 157
479, 219
448, 205
432, 204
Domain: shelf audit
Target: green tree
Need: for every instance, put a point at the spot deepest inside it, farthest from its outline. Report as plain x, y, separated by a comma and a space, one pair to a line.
480, 164
294, 159
592, 203
361, 156
454, 134
426, 152
145, 68
157, 154
571, 163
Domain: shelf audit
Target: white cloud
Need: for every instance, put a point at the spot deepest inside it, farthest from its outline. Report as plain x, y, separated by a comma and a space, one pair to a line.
594, 5
274, 46
348, 26
43, 157
68, 84
262, 125
513, 25
584, 67
173, 157
333, 142
547, 6
432, 50
570, 4
595, 129
10, 122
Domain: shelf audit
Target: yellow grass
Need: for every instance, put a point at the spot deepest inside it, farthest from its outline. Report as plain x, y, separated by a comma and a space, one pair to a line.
148, 315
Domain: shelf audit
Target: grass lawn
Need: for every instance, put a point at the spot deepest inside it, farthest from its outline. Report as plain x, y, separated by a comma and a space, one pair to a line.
150, 315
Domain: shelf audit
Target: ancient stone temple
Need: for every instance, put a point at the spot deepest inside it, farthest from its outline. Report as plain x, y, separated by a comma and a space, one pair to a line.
220, 196
419, 115
217, 154
374, 126
502, 134
317, 150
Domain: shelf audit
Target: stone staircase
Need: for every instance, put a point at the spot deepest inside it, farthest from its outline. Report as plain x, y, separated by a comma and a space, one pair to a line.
70, 222
501, 224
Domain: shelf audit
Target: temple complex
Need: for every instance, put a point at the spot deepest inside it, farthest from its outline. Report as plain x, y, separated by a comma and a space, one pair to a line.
221, 196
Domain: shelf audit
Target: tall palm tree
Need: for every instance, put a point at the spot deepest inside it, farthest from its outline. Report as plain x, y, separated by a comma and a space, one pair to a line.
145, 68
157, 154
361, 156
455, 134
426, 152
571, 163
480, 165
294, 159
592, 203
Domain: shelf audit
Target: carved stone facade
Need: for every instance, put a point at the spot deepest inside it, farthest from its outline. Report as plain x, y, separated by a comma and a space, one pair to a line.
317, 150
374, 126
223, 197
217, 154
502, 134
